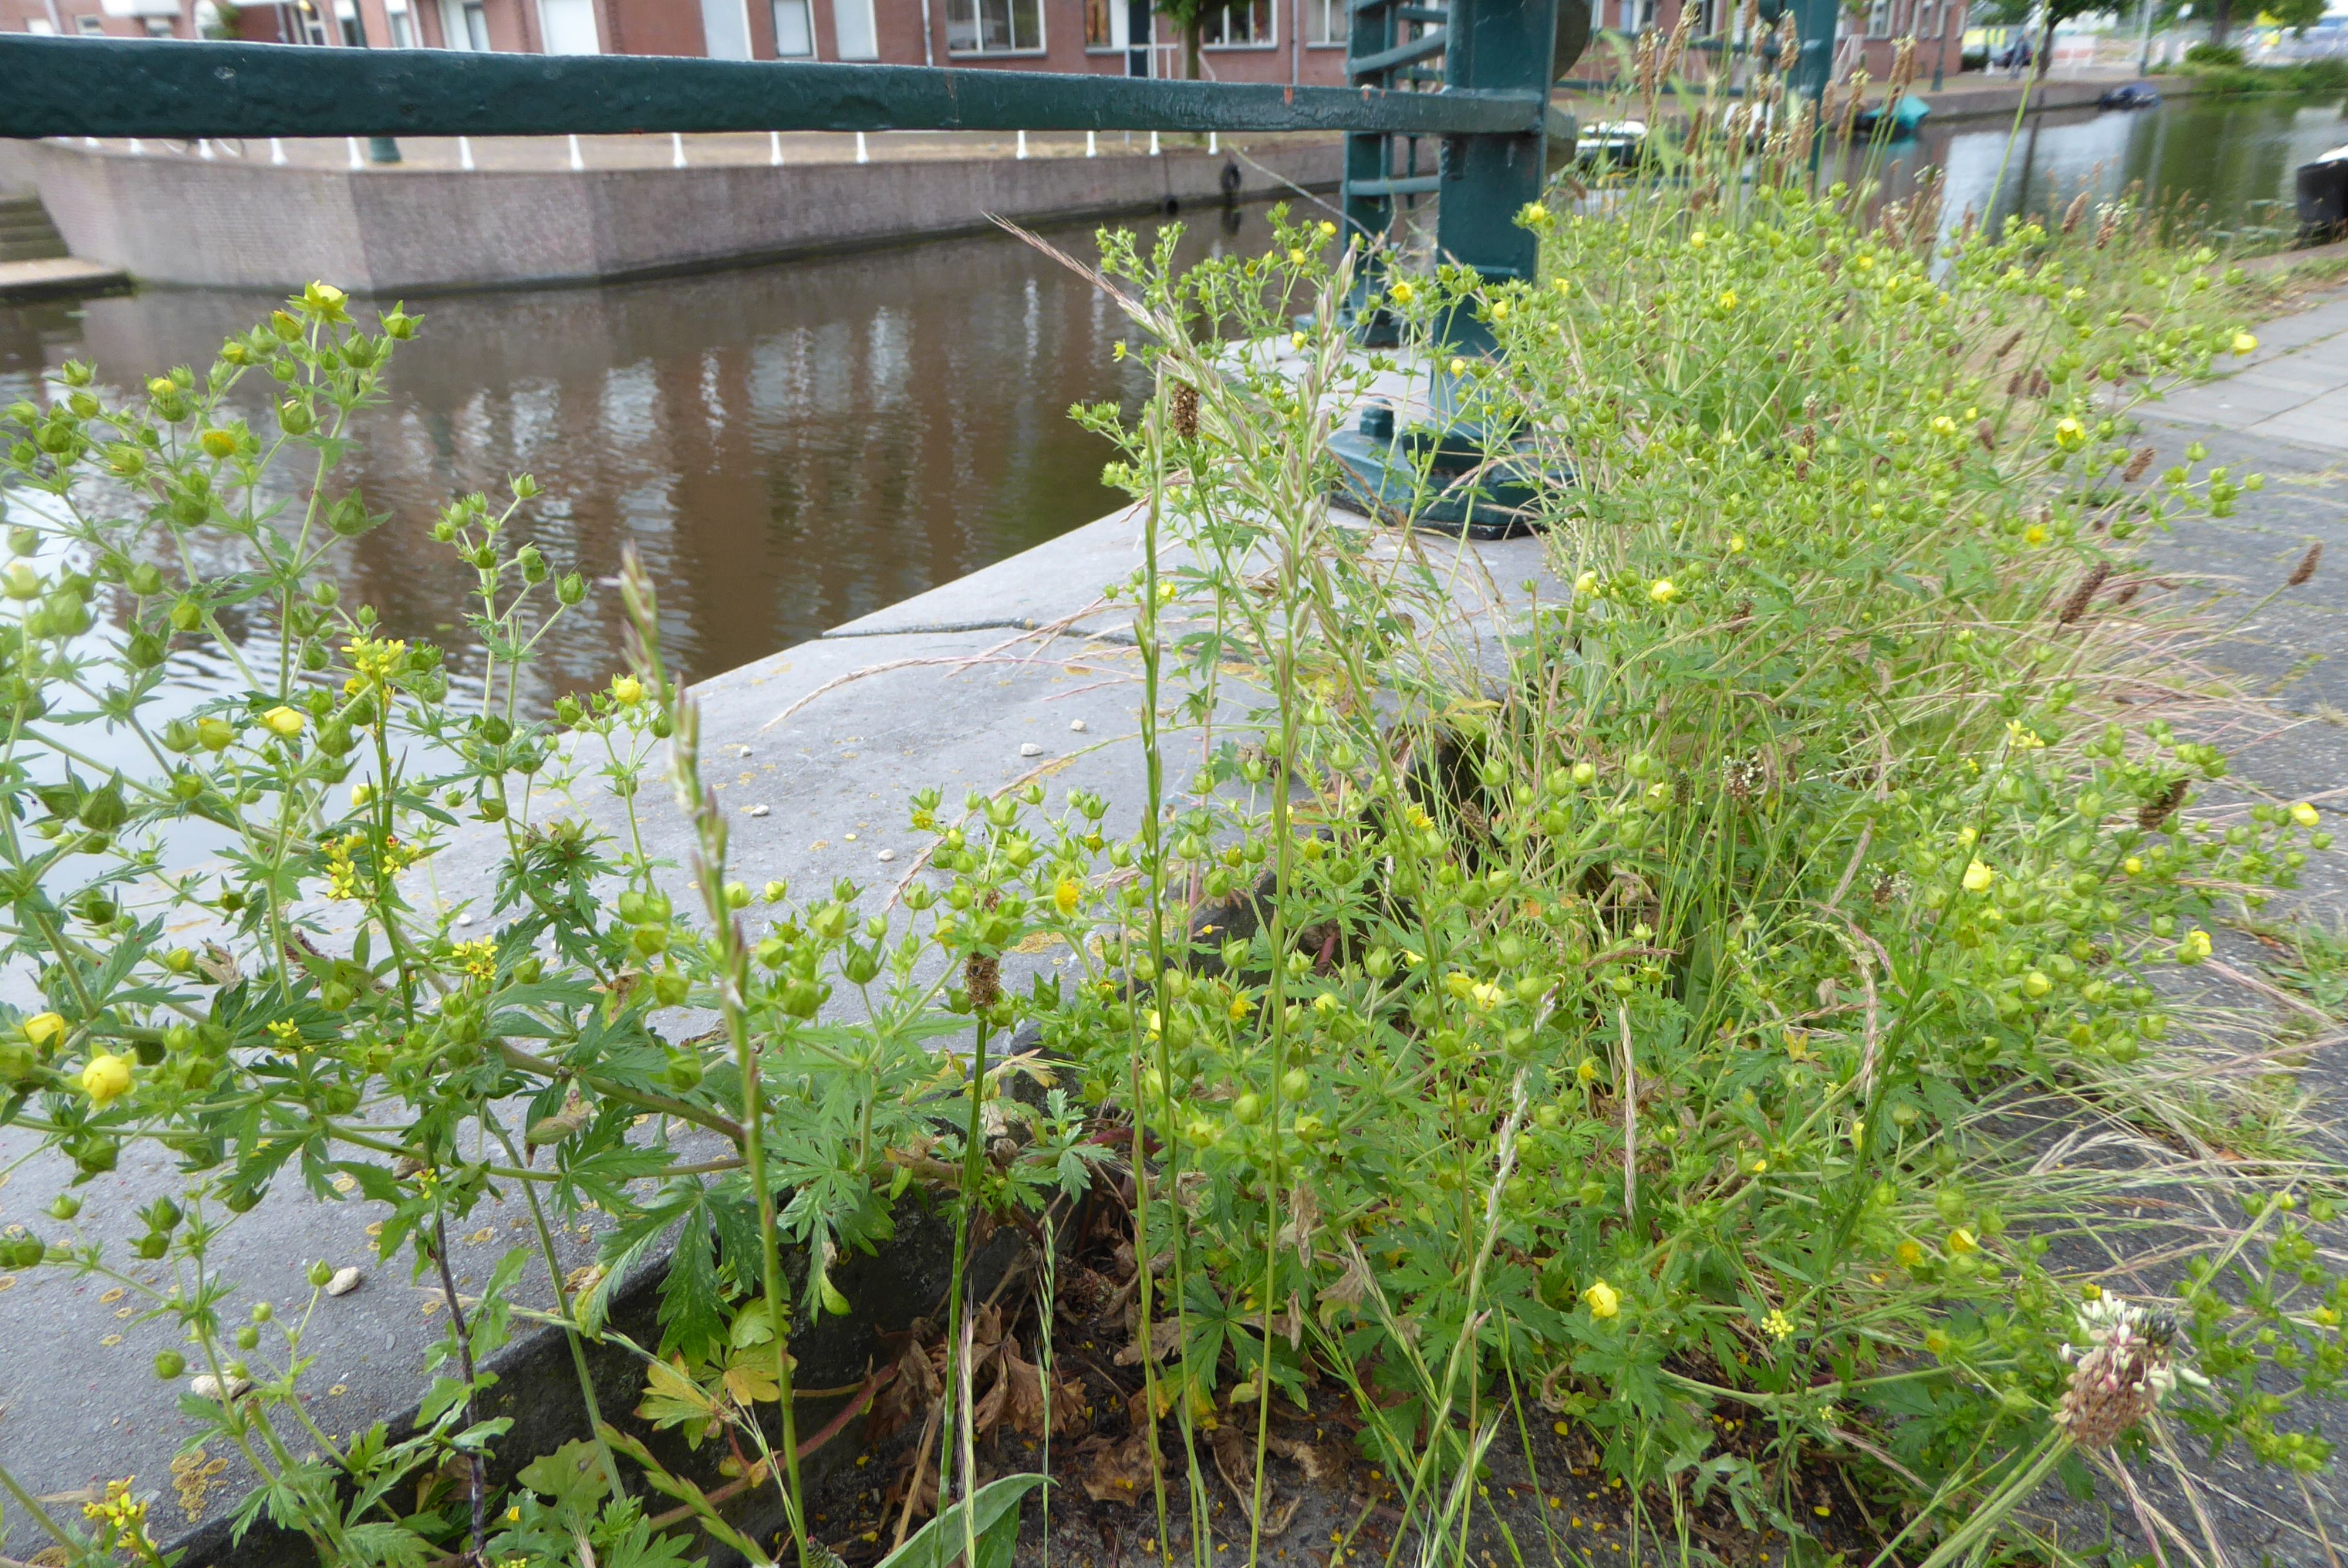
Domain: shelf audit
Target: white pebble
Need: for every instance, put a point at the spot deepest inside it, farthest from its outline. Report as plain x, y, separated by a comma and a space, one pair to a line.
1030, 749
346, 1280
204, 1386
849, 836
1077, 725
887, 855
754, 811
464, 919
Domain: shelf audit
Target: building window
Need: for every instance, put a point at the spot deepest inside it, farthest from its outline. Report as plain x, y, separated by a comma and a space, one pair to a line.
1879, 19
1325, 22
465, 24
1244, 26
1097, 27
995, 26
159, 28
794, 38
93, 26
403, 24
851, 20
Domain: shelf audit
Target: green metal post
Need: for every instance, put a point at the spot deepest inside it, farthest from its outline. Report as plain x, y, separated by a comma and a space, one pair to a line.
1494, 46
383, 149
1369, 161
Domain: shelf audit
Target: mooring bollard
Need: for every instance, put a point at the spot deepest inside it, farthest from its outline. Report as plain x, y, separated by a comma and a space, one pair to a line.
276, 151
775, 148
863, 152
677, 150
577, 162
1022, 145
1092, 144
465, 153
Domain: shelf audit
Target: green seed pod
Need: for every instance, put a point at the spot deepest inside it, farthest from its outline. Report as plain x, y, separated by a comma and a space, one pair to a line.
170, 1364
65, 1206
684, 1074
187, 615
321, 1272
571, 589
103, 808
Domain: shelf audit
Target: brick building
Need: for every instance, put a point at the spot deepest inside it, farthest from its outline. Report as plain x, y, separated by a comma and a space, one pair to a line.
1253, 41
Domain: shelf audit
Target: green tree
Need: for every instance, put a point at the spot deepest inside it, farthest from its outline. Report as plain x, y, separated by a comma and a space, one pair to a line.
2298, 16
1191, 16
2051, 14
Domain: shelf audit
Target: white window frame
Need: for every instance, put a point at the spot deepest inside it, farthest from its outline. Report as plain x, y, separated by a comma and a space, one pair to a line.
1223, 18
1335, 18
1879, 19
805, 8
977, 8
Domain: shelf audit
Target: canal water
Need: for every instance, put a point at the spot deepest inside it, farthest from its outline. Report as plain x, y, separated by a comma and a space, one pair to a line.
792, 447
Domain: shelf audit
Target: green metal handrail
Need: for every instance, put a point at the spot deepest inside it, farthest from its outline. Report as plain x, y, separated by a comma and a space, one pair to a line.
164, 89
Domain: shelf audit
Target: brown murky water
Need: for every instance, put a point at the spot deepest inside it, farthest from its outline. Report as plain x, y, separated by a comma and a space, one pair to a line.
789, 447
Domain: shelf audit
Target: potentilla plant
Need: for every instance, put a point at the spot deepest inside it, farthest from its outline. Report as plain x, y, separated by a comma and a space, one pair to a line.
333, 1027
1667, 1038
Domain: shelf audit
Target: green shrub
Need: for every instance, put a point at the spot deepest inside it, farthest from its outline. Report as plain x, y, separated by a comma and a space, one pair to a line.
2208, 54
1615, 1017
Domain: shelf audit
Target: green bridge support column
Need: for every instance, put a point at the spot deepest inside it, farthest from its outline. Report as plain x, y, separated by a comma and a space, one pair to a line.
1505, 45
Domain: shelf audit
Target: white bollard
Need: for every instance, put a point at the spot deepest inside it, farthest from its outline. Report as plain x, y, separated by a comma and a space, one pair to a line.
276, 151
136, 151
1092, 144
90, 142
577, 162
1212, 144
204, 149
863, 152
1153, 144
775, 148
357, 161
677, 150
1022, 144
465, 153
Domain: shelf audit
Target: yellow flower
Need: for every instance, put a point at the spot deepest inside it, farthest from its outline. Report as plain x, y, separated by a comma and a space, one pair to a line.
1978, 876
1696, 240
2033, 535
1295, 256
1909, 1254
1459, 983
1296, 340
1402, 293
2035, 984
362, 793
1662, 592
2132, 866
2070, 435
2245, 343
107, 1079
1777, 1324
1736, 544
1327, 229
1585, 585
1862, 263
1562, 285
1588, 1071
284, 722
627, 691
477, 959
1603, 1300
45, 1029
1728, 299
2305, 815
1458, 365
1066, 894
1240, 1006
1961, 1241
323, 295
1944, 425
1487, 996
2194, 949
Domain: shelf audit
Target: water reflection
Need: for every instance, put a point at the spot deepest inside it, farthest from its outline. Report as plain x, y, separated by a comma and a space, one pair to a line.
2224, 165
789, 447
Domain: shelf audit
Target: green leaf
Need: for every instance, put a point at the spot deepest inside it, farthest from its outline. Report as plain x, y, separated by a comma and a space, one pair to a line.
991, 1514
571, 1476
692, 1317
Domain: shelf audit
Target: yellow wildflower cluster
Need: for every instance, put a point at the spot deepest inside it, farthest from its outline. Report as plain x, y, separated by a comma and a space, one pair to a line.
376, 661
477, 959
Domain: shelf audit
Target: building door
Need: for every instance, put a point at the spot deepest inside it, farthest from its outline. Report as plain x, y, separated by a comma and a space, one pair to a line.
726, 29
1138, 22
569, 26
